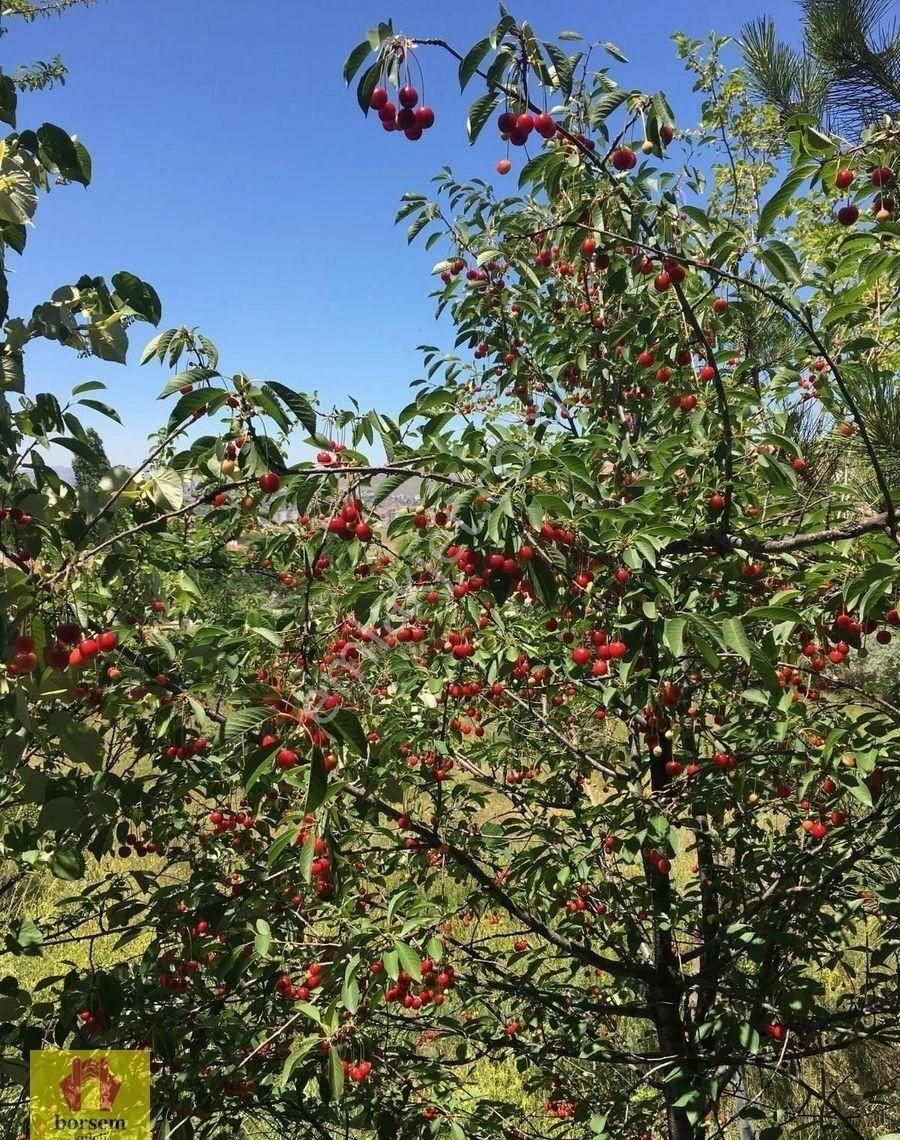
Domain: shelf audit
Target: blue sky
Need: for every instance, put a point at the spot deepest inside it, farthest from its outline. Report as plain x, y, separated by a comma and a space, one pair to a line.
234, 172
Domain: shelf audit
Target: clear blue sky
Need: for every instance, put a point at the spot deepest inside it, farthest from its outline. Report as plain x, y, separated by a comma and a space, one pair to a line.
234, 172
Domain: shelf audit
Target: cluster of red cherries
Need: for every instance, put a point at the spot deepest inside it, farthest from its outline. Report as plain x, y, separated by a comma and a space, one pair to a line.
70, 650
516, 129
409, 119
882, 207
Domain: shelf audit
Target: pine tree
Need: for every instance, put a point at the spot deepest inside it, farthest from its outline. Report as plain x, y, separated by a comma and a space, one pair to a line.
846, 72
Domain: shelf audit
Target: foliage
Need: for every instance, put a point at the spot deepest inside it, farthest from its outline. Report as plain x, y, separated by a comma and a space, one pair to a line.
575, 769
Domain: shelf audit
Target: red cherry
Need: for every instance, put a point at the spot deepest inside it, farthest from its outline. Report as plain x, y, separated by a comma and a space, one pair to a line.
425, 117
881, 176
623, 158
525, 123
69, 632
269, 483
844, 178
286, 758
89, 648
388, 112
504, 166
378, 99
408, 96
847, 215
662, 282
544, 125
581, 655
108, 640
720, 305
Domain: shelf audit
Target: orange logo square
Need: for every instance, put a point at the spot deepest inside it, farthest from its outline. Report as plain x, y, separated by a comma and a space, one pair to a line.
84, 1094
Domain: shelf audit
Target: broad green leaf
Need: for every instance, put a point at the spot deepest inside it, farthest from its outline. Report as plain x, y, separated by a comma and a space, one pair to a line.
735, 637
471, 61
335, 1073
355, 60
244, 720
141, 298
780, 200
673, 635
409, 960
479, 113
344, 725
262, 941
318, 782
61, 153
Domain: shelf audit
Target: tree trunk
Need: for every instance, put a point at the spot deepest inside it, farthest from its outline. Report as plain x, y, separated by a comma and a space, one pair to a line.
746, 1131
665, 1000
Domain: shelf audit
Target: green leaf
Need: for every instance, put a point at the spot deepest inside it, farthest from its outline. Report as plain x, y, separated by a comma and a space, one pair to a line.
673, 635
350, 994
735, 637
59, 814
781, 261
318, 782
607, 103
166, 489
307, 855
479, 113
28, 935
564, 67
103, 409
409, 960
141, 298
471, 61
201, 399
59, 152
355, 60
67, 864
303, 1049
79, 742
615, 52
335, 1073
8, 100
344, 725
263, 940
244, 720
108, 339
367, 85
297, 402
182, 379
388, 486
18, 197
780, 200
